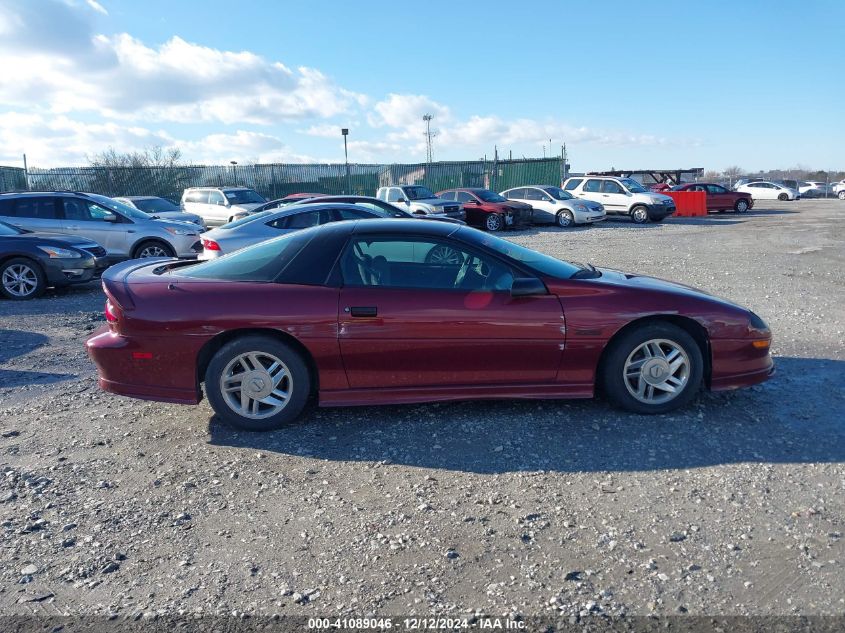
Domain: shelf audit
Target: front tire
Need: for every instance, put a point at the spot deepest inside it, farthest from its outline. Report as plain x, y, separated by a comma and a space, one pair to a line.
494, 222
841, 195
153, 248
564, 219
783, 197
21, 279
741, 206
654, 368
257, 383
639, 215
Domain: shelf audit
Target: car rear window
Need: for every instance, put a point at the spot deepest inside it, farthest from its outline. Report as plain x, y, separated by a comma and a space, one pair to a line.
572, 183
262, 262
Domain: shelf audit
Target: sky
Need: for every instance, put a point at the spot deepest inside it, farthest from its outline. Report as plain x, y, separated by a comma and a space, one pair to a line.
658, 85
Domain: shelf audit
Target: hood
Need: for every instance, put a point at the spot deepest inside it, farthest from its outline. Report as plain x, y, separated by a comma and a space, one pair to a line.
659, 197
63, 238
590, 204
167, 223
179, 216
435, 202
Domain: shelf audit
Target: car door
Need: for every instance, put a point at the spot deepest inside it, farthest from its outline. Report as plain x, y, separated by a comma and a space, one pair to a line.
217, 208
472, 207
718, 198
110, 230
591, 190
542, 203
428, 312
613, 196
37, 213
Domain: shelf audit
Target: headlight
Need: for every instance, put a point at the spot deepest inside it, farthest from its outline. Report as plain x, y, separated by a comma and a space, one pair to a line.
55, 252
600, 208
185, 231
581, 207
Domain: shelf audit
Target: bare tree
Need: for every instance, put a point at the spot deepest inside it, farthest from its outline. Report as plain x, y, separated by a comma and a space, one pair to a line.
732, 173
152, 171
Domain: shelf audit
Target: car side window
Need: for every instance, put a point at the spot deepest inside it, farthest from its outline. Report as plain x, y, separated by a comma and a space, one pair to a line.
36, 208
216, 197
197, 196
303, 220
351, 214
572, 183
395, 195
447, 195
533, 194
515, 194
7, 208
715, 189
464, 196
593, 185
421, 263
610, 186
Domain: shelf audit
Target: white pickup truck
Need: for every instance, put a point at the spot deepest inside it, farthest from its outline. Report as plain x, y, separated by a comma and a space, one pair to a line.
420, 200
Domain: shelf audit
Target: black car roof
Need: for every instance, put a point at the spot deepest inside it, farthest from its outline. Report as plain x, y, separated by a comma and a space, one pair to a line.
409, 226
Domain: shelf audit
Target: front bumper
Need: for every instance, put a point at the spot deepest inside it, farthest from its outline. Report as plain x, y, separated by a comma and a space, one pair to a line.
588, 217
515, 218
62, 272
660, 211
737, 363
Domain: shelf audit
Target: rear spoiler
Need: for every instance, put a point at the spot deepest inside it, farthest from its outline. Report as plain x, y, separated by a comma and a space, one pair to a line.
115, 280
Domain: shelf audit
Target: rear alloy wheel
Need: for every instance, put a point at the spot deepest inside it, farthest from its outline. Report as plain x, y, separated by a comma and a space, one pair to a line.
564, 219
153, 248
741, 206
494, 222
783, 197
444, 256
653, 369
639, 215
21, 278
257, 383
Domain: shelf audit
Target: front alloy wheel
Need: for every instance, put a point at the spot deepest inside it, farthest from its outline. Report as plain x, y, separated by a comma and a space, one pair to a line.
639, 215
841, 195
442, 255
741, 206
564, 219
493, 222
653, 368
21, 279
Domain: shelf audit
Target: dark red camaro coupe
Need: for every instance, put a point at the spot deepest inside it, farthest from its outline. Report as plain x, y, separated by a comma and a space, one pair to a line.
396, 311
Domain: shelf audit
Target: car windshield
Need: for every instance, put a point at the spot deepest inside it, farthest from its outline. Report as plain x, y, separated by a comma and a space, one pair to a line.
418, 193
489, 196
543, 264
262, 262
156, 205
244, 196
123, 209
6, 229
558, 194
246, 219
633, 186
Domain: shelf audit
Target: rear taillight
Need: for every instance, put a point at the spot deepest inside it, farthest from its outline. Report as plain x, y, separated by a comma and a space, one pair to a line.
210, 245
112, 312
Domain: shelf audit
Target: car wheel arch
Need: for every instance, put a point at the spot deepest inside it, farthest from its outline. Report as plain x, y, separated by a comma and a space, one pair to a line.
692, 327
213, 345
134, 248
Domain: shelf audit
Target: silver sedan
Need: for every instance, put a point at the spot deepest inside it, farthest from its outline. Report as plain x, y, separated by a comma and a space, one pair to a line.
266, 225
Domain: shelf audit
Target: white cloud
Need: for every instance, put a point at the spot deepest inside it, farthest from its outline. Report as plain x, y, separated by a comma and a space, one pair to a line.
97, 6
72, 69
403, 111
243, 147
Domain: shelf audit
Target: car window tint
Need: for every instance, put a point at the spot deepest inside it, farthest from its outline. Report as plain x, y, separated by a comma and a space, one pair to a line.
447, 195
572, 183
515, 194
592, 185
394, 195
261, 262
7, 207
715, 189
464, 196
355, 214
36, 208
534, 194
421, 263
610, 186
216, 197
303, 220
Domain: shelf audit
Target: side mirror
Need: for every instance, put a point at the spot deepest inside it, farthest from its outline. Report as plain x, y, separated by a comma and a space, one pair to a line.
110, 217
527, 286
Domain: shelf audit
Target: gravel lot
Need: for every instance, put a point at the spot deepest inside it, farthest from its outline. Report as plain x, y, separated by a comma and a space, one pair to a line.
735, 505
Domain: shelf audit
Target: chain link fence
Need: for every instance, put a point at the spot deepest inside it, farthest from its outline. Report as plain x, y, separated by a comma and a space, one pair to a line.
278, 180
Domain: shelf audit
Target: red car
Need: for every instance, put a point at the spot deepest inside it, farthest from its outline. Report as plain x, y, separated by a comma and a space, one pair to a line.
400, 311
489, 210
718, 197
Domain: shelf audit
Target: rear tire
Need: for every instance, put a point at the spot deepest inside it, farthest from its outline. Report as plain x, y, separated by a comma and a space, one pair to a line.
639, 214
741, 206
257, 383
21, 278
643, 366
153, 248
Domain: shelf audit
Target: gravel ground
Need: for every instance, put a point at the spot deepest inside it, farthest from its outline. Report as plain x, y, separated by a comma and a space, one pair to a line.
735, 505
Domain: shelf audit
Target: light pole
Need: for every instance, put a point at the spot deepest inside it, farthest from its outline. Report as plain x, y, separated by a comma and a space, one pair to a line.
234, 164
345, 132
